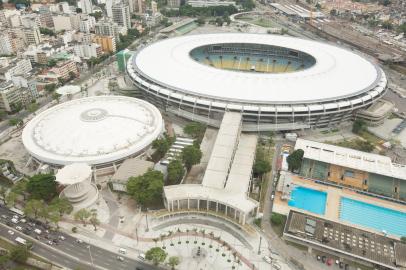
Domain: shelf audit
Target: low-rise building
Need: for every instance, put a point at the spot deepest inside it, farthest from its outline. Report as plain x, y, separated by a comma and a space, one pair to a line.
130, 168
62, 22
32, 36
88, 50
10, 97
16, 67
108, 43
64, 69
6, 47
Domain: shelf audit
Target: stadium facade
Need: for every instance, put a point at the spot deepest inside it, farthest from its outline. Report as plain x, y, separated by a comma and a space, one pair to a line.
276, 82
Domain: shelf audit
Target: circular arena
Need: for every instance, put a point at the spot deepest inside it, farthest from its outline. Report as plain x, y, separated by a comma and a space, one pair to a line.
276, 82
98, 131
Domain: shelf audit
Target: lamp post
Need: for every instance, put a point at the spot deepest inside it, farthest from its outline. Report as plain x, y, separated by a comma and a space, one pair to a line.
90, 253
146, 220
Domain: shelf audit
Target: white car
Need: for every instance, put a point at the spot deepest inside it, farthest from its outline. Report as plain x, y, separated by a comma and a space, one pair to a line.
10, 232
121, 259
267, 259
80, 241
62, 238
141, 256
50, 243
19, 228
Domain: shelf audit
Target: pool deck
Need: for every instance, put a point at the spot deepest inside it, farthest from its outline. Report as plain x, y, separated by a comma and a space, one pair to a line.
333, 200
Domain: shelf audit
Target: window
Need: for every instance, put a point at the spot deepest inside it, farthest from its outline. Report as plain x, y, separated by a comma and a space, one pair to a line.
349, 173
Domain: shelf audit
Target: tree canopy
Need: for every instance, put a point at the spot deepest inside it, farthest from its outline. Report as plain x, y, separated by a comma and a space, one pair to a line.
145, 189
19, 254
295, 159
82, 215
173, 261
196, 130
191, 155
358, 126
156, 254
62, 205
175, 172
261, 167
32, 208
42, 186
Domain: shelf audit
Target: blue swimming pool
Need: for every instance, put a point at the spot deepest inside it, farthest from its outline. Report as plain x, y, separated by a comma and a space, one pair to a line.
373, 216
308, 199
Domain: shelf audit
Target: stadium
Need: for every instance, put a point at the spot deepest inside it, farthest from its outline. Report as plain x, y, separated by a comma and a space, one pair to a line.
100, 131
276, 82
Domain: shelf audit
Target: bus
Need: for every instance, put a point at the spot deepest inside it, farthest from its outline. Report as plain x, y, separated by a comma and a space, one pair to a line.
24, 242
17, 211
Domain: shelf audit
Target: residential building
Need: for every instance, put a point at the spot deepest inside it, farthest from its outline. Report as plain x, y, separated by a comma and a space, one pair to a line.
75, 21
141, 6
86, 6
63, 7
108, 28
6, 47
62, 23
107, 43
154, 7
87, 24
9, 96
64, 69
88, 50
32, 36
17, 67
46, 20
30, 20
14, 21
121, 15
174, 3
29, 83
109, 6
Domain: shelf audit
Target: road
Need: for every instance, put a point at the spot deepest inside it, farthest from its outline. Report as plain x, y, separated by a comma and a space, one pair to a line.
68, 253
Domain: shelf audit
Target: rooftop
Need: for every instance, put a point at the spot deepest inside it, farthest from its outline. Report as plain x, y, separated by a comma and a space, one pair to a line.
350, 158
93, 130
132, 167
343, 72
364, 245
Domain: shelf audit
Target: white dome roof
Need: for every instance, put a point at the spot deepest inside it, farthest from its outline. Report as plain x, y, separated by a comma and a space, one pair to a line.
93, 130
73, 173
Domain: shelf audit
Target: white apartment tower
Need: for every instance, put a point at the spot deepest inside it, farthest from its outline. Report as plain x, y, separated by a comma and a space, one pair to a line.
86, 6
121, 15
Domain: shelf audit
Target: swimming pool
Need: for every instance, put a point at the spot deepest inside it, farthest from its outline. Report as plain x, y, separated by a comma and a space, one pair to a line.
308, 199
373, 216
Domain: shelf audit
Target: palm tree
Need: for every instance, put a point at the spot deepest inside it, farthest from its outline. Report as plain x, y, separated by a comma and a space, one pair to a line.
155, 240
187, 236
162, 237
195, 231
203, 231
179, 232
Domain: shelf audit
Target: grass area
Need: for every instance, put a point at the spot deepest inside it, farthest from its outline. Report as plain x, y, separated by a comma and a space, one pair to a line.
356, 144
267, 178
370, 137
262, 22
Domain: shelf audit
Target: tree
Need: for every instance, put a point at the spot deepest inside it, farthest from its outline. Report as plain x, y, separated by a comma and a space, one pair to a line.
82, 215
146, 188
51, 63
403, 239
50, 87
20, 188
196, 130
62, 205
333, 12
200, 21
11, 199
78, 10
54, 217
93, 219
358, 126
156, 254
15, 121
295, 159
33, 207
175, 172
161, 146
173, 261
261, 167
42, 186
387, 25
46, 31
318, 6
277, 219
19, 254
191, 155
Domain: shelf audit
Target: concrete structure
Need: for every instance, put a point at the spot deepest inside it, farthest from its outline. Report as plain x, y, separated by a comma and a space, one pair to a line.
16, 67
32, 36
64, 69
62, 22
68, 90
6, 47
341, 166
86, 6
79, 189
365, 247
87, 24
132, 167
9, 96
174, 3
210, 3
376, 114
109, 28
154, 7
121, 15
122, 59
225, 186
107, 43
99, 131
277, 82
88, 50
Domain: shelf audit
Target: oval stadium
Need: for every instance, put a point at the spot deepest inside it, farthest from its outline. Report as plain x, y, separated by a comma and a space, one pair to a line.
276, 82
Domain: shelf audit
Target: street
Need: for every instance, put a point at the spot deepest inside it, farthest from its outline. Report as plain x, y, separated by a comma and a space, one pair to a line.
68, 253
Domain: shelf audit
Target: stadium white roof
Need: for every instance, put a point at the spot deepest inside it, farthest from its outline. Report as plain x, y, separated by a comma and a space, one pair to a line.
74, 173
338, 73
350, 158
93, 130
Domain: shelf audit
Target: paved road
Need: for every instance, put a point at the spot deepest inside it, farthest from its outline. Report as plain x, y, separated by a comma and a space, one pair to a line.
68, 253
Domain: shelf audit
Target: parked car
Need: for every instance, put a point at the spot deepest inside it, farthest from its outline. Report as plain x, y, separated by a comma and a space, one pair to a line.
50, 243
19, 228
267, 259
80, 241
141, 256
122, 250
10, 232
61, 237
121, 259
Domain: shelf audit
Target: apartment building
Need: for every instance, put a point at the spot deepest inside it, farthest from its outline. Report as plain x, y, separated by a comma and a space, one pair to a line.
107, 43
